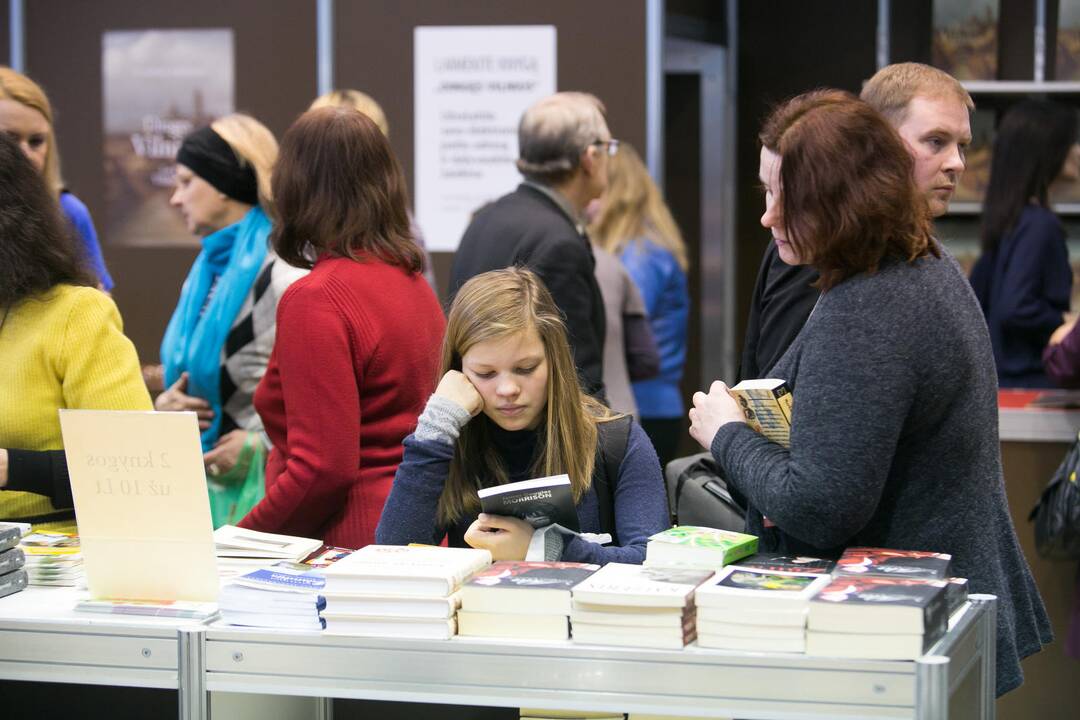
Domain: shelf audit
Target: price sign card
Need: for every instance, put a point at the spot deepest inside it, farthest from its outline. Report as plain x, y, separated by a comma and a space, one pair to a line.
141, 503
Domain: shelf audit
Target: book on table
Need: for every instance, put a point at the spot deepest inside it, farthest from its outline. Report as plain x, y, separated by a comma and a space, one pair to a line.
766, 406
539, 502
53, 559
592, 614
520, 586
620, 584
10, 534
404, 570
736, 589
435, 607
894, 563
12, 582
788, 563
879, 605
265, 596
631, 636
869, 646
392, 627
724, 641
698, 547
235, 542
517, 626
11, 560
183, 609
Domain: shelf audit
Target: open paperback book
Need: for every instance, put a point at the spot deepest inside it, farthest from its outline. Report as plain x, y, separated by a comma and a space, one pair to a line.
233, 542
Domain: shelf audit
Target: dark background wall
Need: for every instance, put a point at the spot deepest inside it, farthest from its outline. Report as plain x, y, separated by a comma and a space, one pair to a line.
601, 49
275, 80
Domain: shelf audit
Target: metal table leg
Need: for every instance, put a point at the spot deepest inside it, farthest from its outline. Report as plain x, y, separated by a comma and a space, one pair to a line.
191, 674
932, 688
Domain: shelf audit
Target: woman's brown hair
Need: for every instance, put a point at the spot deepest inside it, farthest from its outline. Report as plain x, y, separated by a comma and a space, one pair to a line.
338, 189
492, 306
846, 188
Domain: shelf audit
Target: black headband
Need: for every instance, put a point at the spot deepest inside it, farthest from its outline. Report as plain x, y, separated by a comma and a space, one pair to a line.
213, 159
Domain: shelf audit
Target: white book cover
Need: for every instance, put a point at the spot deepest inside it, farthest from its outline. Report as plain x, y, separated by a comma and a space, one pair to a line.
393, 627
671, 638
405, 570
232, 541
868, 646
742, 630
781, 618
664, 617
512, 625
737, 588
624, 584
405, 606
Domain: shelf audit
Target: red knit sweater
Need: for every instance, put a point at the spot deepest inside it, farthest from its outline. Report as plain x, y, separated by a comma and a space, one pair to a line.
354, 361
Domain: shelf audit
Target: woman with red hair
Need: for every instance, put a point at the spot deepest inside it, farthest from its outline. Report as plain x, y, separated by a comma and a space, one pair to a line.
894, 426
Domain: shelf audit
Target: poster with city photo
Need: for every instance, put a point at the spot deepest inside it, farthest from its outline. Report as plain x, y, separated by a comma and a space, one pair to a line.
1067, 54
159, 85
965, 38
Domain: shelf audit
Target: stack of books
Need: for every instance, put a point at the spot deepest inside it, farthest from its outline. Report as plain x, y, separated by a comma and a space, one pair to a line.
284, 596
53, 559
184, 609
396, 591
756, 609
688, 546
883, 618
521, 600
12, 577
636, 606
883, 604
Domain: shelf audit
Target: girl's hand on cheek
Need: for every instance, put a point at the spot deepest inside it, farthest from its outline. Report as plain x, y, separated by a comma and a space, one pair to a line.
456, 387
507, 538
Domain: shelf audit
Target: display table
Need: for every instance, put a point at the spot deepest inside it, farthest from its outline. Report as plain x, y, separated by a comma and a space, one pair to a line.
42, 639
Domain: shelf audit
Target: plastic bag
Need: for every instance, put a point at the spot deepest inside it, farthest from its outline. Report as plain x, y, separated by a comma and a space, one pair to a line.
233, 493
1057, 515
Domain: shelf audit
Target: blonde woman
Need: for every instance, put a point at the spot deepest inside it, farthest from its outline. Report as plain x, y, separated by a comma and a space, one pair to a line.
27, 117
636, 226
218, 342
366, 105
509, 407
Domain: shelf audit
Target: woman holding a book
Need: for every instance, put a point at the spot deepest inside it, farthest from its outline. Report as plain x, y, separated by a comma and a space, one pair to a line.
509, 407
893, 438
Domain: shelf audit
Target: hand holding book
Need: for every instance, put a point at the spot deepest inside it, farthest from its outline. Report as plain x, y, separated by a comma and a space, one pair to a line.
711, 412
504, 536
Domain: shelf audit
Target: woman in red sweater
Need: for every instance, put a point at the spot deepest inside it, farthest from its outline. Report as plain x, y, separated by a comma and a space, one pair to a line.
357, 346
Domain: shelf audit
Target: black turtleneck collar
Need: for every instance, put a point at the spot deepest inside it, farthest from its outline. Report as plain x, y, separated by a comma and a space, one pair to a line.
517, 449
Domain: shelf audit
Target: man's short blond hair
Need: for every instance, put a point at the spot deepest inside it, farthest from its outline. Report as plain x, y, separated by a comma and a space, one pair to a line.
892, 88
359, 101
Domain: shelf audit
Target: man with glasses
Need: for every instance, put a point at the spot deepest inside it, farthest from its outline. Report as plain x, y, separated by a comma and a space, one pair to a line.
563, 148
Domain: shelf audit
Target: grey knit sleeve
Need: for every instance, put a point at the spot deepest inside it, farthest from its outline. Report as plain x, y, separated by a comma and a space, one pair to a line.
441, 420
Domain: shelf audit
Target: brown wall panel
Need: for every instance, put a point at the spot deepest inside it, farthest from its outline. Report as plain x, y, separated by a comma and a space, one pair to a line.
275, 80
601, 49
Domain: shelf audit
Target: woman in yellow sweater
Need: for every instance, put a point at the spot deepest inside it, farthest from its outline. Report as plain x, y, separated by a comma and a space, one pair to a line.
61, 346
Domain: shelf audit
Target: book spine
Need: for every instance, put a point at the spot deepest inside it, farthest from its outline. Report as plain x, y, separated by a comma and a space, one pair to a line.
9, 535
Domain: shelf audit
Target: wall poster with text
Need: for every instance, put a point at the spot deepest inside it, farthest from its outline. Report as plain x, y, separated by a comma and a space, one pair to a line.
158, 85
965, 38
471, 86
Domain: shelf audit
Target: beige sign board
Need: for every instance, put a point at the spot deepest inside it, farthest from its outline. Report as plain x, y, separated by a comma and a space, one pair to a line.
141, 503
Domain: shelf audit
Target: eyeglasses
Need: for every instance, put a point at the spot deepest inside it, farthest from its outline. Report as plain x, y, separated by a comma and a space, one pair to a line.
612, 146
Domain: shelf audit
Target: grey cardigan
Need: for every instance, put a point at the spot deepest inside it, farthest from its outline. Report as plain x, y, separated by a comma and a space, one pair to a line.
894, 441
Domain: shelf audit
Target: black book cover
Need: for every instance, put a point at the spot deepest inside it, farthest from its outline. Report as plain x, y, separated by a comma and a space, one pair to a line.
895, 563
787, 563
885, 591
540, 502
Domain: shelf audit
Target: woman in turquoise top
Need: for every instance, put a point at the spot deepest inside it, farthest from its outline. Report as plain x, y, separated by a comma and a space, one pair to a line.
218, 342
635, 225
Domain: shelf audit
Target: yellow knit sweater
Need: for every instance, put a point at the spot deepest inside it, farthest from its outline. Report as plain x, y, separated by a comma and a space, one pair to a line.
63, 349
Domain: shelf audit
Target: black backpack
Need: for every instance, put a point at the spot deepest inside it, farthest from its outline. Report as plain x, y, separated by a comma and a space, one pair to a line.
698, 495
610, 451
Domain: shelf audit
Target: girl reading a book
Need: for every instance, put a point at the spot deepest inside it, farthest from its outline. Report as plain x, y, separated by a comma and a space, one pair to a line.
894, 432
509, 407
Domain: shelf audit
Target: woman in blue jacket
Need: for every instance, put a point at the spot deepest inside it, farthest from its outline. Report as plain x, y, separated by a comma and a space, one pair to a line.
1023, 279
635, 225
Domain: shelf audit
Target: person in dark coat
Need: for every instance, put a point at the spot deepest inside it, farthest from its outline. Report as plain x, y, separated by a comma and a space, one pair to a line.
564, 144
929, 109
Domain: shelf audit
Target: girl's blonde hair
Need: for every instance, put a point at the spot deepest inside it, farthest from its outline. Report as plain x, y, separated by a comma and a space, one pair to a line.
16, 86
633, 209
359, 101
492, 306
254, 145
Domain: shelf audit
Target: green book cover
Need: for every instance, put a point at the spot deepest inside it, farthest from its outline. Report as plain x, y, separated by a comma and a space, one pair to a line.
725, 546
